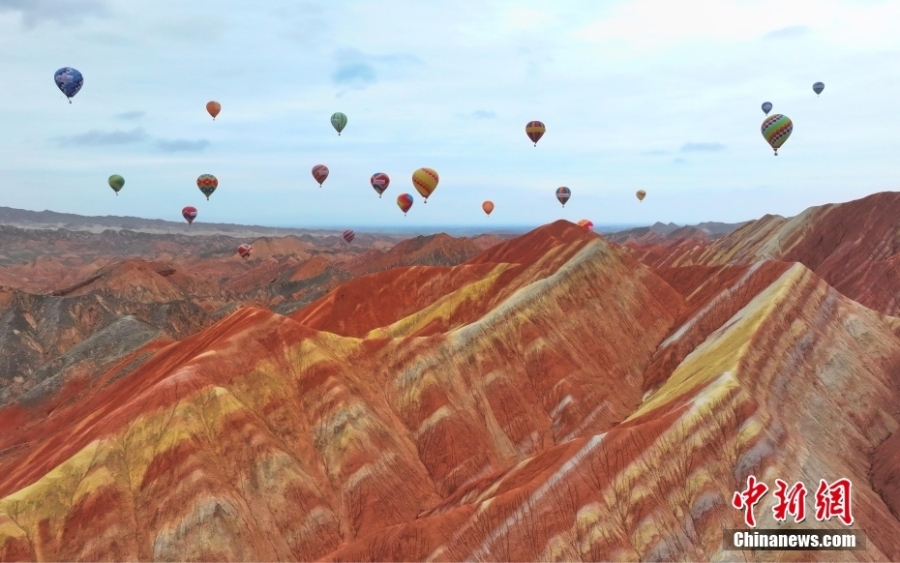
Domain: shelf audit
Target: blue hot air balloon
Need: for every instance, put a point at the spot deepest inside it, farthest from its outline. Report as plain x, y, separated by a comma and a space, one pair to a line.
767, 107
69, 81
818, 87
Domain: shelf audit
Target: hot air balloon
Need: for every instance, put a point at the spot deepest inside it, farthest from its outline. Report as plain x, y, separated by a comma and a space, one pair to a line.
776, 129
425, 181
587, 224
767, 107
380, 182
213, 107
818, 87
563, 194
488, 206
339, 121
244, 250
404, 202
69, 81
320, 173
641, 194
116, 182
189, 213
535, 130
349, 235
207, 184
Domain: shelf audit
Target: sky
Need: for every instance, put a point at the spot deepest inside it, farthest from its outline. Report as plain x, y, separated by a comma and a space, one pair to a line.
643, 94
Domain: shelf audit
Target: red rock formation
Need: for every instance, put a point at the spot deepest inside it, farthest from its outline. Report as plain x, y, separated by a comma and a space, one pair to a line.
548, 398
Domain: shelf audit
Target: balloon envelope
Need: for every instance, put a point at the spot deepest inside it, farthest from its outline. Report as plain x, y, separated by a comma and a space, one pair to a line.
69, 81
189, 213
207, 184
535, 130
213, 107
244, 250
380, 182
349, 235
767, 107
776, 129
320, 173
404, 202
339, 121
563, 194
116, 182
587, 224
425, 181
818, 87
488, 206
641, 194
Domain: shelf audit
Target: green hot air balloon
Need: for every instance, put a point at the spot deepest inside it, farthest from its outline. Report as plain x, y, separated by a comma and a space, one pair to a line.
776, 129
339, 121
116, 182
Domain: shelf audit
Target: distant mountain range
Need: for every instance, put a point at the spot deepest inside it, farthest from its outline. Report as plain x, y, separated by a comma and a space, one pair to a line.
53, 220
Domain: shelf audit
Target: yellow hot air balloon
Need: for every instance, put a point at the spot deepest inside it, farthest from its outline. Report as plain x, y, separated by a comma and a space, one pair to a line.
488, 206
641, 194
425, 181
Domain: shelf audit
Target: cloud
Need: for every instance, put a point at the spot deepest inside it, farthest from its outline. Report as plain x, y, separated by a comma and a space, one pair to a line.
654, 152
182, 145
97, 138
357, 70
787, 32
135, 114
702, 147
68, 11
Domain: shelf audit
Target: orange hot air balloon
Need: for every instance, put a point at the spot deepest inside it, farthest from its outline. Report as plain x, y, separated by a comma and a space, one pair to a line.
213, 107
488, 206
425, 180
641, 194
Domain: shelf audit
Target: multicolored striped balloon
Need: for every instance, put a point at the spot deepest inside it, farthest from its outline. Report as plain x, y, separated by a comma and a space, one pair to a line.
776, 129
116, 182
425, 180
404, 202
535, 130
380, 182
320, 173
349, 235
207, 184
563, 194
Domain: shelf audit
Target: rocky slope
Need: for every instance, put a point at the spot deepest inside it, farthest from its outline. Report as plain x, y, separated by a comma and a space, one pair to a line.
552, 397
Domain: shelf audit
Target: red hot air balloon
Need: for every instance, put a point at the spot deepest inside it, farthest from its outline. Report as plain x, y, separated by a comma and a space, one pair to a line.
320, 173
380, 182
563, 194
404, 202
349, 235
189, 213
587, 224
535, 130
244, 250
